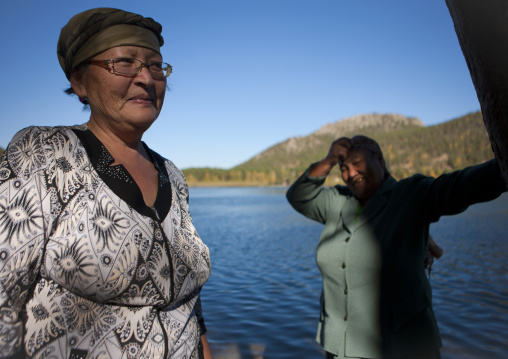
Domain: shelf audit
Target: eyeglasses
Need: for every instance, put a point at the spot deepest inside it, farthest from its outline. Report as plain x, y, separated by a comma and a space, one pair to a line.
130, 66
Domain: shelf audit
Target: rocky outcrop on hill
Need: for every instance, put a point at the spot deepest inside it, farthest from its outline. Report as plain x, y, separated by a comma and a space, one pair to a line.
379, 122
364, 124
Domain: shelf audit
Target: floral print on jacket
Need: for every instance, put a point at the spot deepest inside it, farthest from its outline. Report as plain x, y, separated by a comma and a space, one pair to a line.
87, 270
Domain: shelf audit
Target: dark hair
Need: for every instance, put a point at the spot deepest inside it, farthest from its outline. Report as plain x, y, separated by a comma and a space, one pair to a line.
83, 100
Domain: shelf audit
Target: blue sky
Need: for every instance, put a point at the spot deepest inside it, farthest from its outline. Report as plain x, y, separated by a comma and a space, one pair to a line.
252, 73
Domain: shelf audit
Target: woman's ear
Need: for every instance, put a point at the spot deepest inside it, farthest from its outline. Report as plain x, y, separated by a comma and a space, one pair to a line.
77, 83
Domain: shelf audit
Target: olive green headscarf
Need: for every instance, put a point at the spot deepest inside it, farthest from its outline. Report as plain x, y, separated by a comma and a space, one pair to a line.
94, 31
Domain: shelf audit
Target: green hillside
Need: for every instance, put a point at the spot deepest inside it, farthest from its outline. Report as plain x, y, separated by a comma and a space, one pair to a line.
408, 146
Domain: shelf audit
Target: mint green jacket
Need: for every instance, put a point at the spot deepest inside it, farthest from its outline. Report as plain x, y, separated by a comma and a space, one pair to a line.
376, 298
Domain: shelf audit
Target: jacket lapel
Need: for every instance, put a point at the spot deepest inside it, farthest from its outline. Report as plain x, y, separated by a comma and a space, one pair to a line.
376, 203
348, 214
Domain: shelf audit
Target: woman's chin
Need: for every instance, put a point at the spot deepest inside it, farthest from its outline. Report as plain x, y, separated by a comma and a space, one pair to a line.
143, 118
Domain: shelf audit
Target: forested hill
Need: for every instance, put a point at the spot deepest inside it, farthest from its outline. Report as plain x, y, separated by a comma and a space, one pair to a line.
408, 146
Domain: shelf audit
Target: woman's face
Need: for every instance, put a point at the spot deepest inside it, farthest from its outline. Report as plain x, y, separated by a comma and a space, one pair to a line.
132, 102
362, 173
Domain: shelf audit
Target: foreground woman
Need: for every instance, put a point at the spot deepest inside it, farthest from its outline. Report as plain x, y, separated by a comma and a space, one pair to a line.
98, 254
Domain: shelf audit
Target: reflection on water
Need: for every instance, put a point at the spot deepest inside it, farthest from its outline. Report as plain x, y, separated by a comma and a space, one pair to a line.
262, 300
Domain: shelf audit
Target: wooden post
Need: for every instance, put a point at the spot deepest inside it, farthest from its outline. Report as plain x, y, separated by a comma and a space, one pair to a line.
482, 30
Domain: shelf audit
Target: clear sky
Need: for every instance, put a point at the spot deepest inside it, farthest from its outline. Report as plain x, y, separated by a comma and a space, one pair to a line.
249, 74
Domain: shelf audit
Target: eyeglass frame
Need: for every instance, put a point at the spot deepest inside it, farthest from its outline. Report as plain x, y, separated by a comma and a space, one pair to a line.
110, 64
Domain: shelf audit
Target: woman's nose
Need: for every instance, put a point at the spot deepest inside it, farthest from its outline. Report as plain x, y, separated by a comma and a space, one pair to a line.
144, 75
352, 173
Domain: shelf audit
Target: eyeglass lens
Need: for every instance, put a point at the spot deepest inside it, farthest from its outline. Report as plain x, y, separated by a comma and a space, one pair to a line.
133, 66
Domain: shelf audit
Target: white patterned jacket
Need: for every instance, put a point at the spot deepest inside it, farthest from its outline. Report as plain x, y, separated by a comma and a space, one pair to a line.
87, 270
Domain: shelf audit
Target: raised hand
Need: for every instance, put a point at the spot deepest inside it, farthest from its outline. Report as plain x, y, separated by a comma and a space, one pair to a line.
338, 151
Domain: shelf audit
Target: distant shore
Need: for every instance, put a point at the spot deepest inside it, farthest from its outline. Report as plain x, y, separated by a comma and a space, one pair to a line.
230, 184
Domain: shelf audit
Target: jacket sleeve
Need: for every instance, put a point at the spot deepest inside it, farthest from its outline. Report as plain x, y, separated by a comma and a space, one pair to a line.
453, 193
308, 196
22, 228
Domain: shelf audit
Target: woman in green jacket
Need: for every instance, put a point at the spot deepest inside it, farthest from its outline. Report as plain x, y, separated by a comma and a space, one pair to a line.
376, 298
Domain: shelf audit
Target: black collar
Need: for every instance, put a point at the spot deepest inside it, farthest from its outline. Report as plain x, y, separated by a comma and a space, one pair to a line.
119, 180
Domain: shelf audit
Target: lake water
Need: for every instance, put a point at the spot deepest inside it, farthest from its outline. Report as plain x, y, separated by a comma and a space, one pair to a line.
262, 300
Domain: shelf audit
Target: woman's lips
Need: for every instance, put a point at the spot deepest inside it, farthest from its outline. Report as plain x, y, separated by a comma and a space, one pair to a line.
356, 181
142, 99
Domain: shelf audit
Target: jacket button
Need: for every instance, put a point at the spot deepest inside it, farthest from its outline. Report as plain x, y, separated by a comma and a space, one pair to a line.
345, 317
343, 265
345, 291
347, 239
